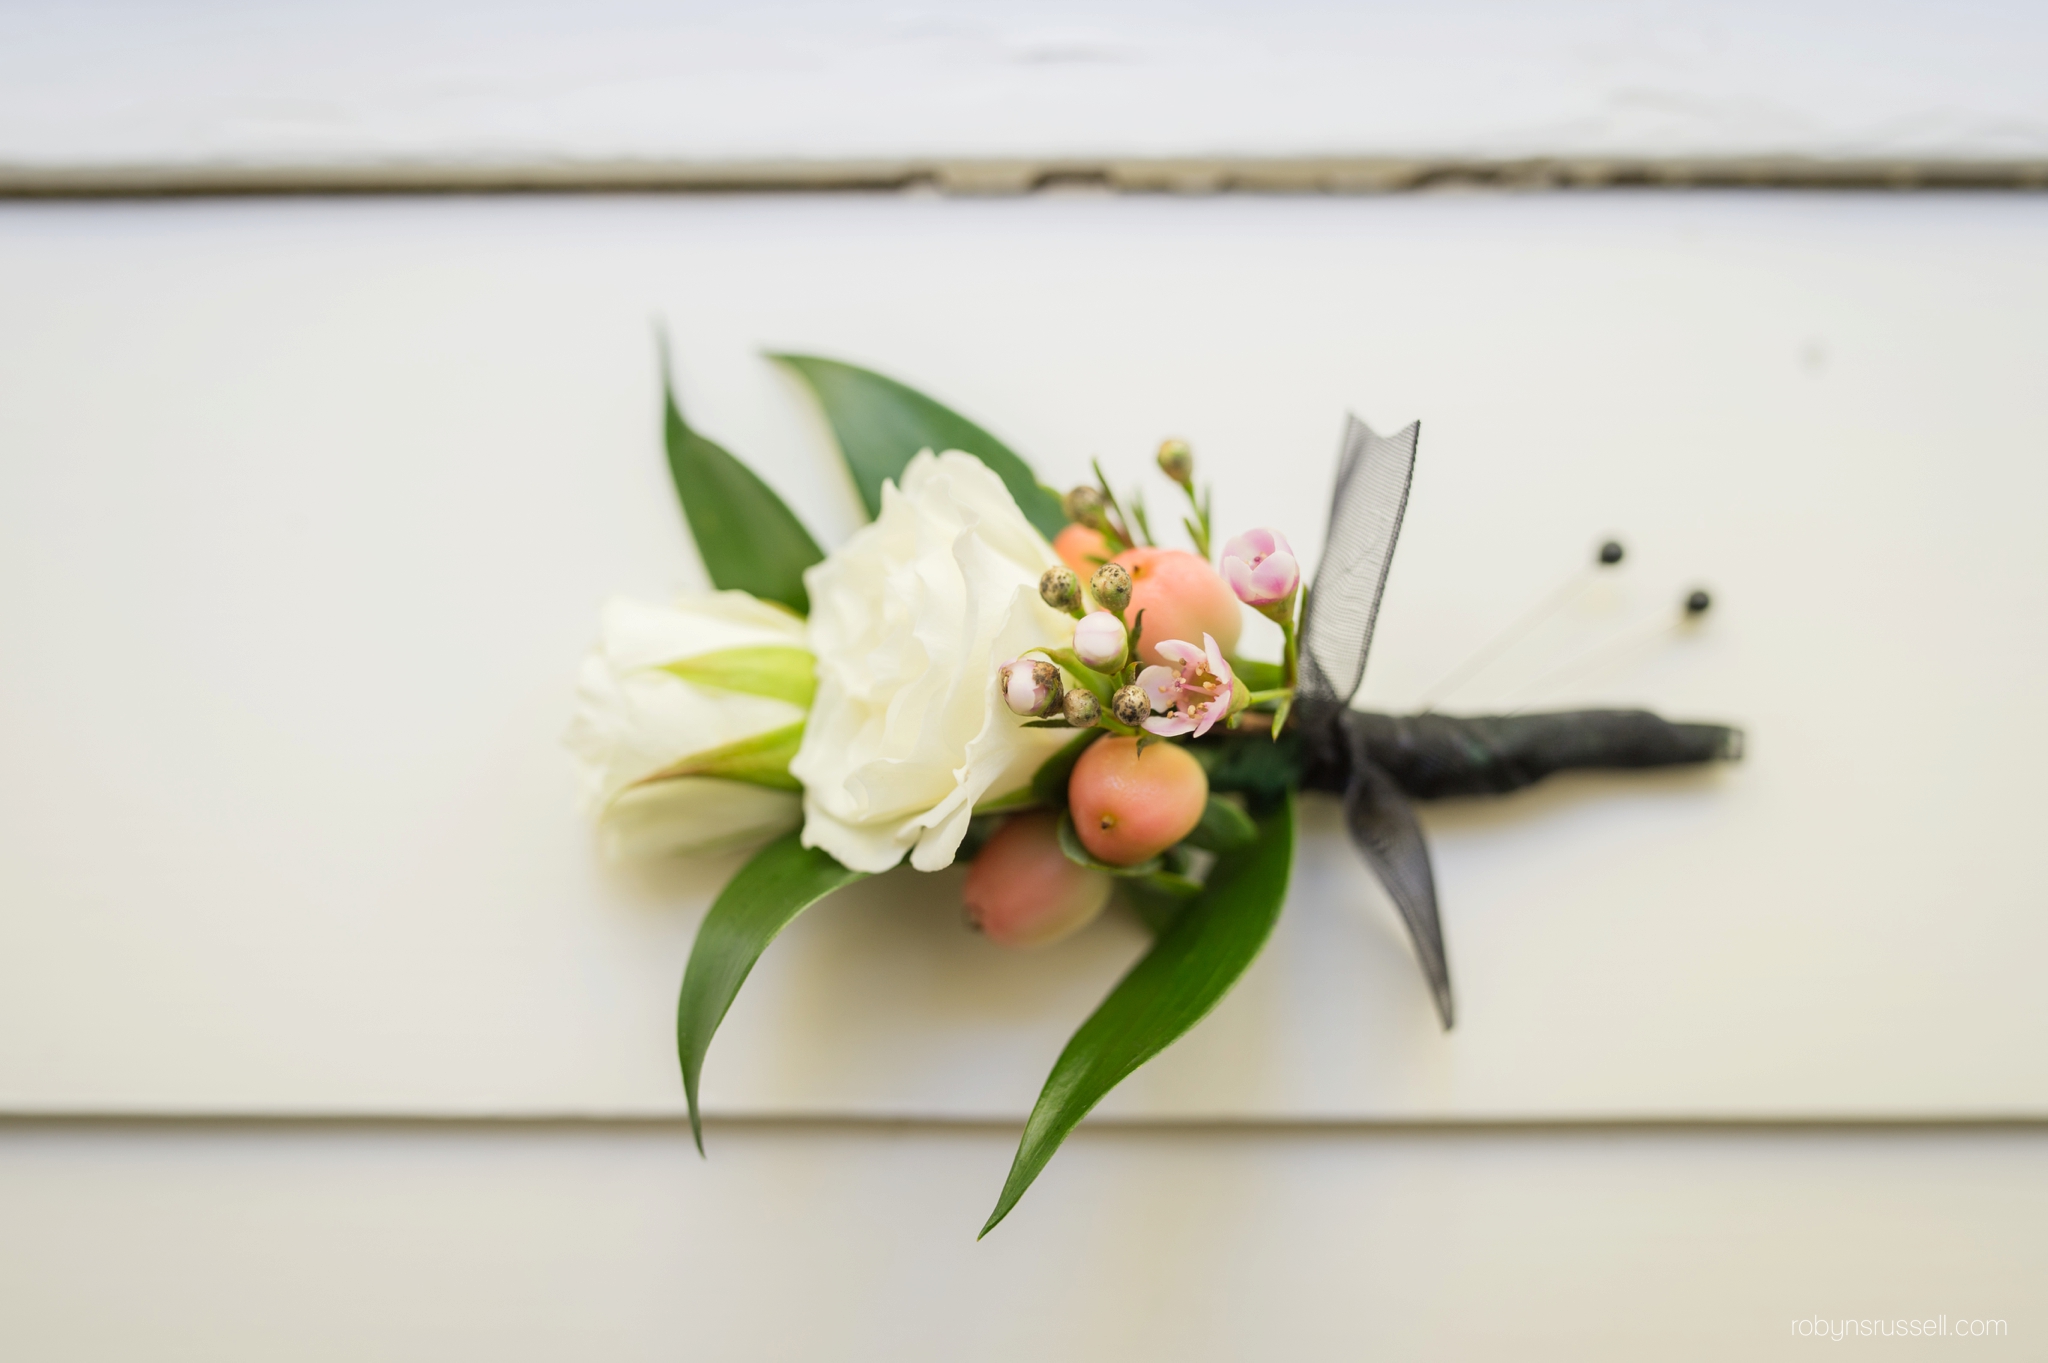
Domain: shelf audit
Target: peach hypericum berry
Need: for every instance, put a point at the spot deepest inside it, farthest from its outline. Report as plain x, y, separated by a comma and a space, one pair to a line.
1182, 597
1082, 548
1129, 806
1022, 891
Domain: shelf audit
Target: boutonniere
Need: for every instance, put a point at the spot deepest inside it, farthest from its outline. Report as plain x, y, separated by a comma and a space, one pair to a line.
1033, 682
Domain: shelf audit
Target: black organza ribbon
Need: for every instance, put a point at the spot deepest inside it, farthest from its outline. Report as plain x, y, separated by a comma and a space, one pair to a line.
1377, 762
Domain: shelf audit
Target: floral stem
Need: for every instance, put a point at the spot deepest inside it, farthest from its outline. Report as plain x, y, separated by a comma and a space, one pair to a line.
1290, 652
1290, 662
1120, 525
1198, 525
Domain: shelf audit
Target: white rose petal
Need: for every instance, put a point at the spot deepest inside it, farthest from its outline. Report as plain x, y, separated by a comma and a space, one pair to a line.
910, 619
633, 720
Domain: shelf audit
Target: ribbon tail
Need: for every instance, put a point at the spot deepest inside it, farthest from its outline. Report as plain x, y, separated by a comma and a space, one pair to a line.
1383, 826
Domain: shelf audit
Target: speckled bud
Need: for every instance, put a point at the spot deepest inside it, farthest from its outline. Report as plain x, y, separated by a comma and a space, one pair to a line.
1084, 506
1081, 708
1111, 586
1177, 462
1030, 686
1060, 588
1131, 705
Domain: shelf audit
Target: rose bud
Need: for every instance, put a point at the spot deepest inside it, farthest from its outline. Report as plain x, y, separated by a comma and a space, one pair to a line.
1130, 806
1177, 462
1131, 705
1111, 586
1261, 568
1182, 598
1081, 547
1030, 687
1099, 641
1023, 892
1084, 506
1081, 708
1060, 588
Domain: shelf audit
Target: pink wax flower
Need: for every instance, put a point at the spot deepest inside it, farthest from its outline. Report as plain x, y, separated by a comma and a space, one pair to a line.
1195, 693
1260, 567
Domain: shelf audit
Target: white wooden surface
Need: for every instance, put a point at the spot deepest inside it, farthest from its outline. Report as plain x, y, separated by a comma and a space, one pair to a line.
306, 509
321, 1244
202, 82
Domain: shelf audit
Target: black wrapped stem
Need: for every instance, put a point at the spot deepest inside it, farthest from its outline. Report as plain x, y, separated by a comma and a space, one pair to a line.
1434, 757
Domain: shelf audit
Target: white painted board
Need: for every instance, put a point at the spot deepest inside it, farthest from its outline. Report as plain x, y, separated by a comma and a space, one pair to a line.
368, 82
543, 1243
307, 509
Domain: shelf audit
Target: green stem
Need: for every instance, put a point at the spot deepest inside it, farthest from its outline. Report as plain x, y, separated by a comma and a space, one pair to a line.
1198, 528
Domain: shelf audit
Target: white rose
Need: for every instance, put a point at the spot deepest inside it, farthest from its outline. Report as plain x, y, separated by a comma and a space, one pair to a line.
633, 720
910, 619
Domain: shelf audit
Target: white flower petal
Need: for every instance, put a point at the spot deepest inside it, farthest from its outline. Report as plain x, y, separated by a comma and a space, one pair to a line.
632, 720
910, 620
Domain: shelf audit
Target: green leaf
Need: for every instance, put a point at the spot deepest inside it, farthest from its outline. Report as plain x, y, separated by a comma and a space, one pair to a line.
1156, 906
1049, 782
1251, 763
748, 539
762, 760
1256, 675
1193, 964
777, 671
782, 880
1224, 827
881, 424
1070, 844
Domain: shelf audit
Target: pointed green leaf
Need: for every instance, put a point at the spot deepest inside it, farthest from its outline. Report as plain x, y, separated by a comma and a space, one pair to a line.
782, 880
762, 760
881, 425
777, 671
748, 539
1204, 949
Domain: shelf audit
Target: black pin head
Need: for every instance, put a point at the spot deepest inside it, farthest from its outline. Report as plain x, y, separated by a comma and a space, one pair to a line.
1610, 554
1696, 604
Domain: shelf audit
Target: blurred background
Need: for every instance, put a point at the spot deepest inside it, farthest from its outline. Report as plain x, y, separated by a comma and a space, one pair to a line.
328, 410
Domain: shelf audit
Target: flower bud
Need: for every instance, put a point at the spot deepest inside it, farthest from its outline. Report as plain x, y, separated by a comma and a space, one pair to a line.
1081, 708
1111, 586
1131, 705
1060, 588
1084, 506
1261, 568
1099, 641
1177, 462
1030, 686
